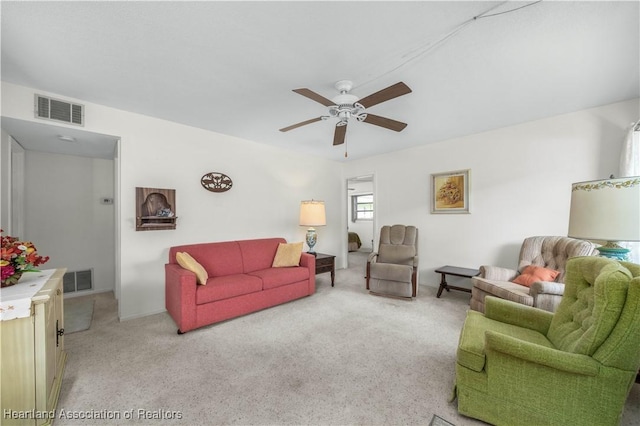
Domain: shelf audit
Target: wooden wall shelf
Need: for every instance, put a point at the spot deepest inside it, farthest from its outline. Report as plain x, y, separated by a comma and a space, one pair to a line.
155, 209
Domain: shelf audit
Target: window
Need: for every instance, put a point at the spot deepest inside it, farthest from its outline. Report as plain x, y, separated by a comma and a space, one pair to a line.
362, 207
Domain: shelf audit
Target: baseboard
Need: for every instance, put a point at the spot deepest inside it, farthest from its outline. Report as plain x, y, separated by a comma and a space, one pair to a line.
85, 293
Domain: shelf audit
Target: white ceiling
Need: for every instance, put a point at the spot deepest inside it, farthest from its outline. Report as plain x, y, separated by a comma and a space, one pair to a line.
231, 66
59, 139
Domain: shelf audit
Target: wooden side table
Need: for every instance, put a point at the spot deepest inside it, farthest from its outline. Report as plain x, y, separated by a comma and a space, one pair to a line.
326, 263
456, 271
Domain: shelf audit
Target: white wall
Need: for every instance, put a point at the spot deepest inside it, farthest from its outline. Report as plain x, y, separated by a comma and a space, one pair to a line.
268, 185
5, 182
11, 185
64, 217
520, 184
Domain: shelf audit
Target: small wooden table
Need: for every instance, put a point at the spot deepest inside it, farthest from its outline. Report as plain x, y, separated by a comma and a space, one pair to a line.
326, 263
456, 271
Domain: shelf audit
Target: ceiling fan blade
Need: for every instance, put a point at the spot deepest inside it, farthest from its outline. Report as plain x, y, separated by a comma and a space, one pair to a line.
385, 122
338, 136
383, 95
314, 96
302, 123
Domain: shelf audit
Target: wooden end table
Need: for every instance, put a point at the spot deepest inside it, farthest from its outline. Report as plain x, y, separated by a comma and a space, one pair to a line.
456, 271
326, 263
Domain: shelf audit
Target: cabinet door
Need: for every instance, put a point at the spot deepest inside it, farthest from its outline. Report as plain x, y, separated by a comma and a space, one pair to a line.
18, 370
50, 349
54, 376
48, 354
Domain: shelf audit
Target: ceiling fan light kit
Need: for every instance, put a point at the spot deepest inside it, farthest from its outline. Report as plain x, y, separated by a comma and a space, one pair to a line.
346, 106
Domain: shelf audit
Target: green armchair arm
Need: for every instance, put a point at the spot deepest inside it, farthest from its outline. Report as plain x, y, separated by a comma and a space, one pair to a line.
514, 313
537, 354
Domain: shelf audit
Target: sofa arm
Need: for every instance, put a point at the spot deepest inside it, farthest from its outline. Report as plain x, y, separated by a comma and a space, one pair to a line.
537, 354
509, 312
309, 261
546, 295
546, 287
497, 273
180, 296
373, 257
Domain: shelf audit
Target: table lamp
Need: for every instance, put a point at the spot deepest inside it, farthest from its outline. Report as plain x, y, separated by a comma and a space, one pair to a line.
312, 214
606, 210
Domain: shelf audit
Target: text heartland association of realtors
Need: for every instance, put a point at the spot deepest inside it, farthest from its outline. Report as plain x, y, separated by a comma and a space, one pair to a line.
134, 413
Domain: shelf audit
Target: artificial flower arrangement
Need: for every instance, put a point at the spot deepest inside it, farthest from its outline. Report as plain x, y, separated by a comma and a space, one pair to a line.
18, 257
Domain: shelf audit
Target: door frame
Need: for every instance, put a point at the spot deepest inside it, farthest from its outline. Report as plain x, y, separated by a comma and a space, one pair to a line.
346, 217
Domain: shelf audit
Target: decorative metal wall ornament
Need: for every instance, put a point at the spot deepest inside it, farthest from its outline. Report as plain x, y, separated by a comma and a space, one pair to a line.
216, 182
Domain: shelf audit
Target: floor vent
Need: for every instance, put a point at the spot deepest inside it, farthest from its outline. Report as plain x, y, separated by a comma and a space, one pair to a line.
58, 110
78, 281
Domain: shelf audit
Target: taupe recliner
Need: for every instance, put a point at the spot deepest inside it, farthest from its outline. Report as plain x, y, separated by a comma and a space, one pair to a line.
393, 269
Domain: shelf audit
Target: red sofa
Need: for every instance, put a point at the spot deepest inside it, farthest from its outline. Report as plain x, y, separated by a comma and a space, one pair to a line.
241, 280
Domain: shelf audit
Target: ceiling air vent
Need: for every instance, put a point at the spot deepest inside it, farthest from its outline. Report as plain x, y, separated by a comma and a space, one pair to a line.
55, 109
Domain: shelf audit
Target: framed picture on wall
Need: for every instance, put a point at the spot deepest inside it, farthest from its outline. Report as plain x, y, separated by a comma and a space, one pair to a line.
450, 192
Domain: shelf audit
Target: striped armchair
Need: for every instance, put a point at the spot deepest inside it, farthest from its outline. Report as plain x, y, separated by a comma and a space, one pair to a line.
548, 252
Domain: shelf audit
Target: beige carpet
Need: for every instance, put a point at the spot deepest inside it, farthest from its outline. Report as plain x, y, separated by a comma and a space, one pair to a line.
338, 357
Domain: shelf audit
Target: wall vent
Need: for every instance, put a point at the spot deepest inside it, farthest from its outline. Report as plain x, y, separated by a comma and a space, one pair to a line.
78, 281
58, 110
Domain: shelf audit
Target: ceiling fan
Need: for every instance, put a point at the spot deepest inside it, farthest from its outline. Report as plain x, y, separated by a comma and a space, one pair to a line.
346, 106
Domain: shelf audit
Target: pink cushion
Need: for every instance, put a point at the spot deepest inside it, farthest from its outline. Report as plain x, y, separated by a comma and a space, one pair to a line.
533, 273
219, 288
218, 259
276, 277
258, 254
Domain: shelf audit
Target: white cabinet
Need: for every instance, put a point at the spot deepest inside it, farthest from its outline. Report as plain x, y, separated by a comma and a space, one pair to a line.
33, 357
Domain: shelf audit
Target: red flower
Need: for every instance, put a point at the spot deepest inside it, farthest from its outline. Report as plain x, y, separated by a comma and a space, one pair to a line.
17, 257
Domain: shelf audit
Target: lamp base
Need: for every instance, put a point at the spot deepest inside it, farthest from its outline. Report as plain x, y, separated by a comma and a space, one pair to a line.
312, 239
613, 250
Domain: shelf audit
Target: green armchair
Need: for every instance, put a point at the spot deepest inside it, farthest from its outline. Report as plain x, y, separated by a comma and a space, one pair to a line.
521, 365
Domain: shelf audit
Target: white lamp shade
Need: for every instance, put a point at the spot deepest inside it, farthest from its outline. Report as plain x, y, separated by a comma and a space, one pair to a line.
312, 213
606, 210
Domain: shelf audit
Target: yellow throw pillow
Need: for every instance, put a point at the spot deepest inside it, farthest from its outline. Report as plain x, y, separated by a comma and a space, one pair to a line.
187, 262
287, 255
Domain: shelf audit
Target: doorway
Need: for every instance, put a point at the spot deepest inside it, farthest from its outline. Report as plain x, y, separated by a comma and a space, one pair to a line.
62, 195
361, 218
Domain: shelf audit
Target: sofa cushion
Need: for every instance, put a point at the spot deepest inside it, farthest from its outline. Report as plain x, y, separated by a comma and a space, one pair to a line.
185, 260
391, 272
534, 273
287, 255
219, 288
504, 290
396, 254
277, 277
218, 259
258, 254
